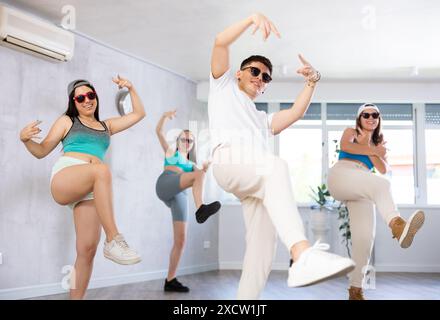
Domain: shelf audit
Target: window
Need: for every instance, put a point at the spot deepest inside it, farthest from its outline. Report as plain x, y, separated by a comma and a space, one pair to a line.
432, 138
400, 158
309, 147
342, 114
312, 116
334, 138
339, 117
301, 147
262, 106
399, 133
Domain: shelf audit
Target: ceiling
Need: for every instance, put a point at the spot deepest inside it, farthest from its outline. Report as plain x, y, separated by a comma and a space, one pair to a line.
344, 39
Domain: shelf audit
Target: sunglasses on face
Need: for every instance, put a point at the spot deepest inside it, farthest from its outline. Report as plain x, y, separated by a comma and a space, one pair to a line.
186, 140
255, 72
82, 97
367, 115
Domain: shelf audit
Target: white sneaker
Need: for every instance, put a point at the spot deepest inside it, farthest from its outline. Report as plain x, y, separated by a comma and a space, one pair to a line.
315, 265
118, 251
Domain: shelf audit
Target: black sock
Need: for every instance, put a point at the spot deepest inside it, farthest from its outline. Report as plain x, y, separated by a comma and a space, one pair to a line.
207, 210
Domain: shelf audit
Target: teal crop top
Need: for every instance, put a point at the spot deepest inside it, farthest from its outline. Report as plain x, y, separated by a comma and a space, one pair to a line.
179, 161
359, 157
83, 139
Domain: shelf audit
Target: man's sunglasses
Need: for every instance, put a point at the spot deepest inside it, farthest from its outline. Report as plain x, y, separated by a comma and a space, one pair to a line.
367, 115
255, 72
82, 97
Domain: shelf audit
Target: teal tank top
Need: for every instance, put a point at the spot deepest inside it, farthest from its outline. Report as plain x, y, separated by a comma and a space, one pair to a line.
359, 157
83, 139
179, 161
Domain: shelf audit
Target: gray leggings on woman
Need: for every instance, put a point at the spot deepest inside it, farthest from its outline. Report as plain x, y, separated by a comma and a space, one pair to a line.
168, 190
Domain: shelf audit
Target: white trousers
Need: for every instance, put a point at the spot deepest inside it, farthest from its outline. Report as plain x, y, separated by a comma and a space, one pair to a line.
263, 186
361, 191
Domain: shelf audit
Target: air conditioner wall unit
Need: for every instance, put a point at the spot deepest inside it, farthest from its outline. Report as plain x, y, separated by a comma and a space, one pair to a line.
24, 32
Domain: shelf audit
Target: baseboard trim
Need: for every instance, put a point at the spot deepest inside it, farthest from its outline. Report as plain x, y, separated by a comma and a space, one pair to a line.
55, 288
407, 268
236, 265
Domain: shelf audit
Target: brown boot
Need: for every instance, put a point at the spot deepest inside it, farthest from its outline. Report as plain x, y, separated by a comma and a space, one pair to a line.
404, 231
397, 225
355, 293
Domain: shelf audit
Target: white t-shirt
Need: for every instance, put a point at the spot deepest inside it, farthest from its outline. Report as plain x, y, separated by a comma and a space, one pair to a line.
233, 116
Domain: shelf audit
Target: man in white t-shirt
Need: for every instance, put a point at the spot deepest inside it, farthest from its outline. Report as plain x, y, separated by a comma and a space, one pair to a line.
243, 164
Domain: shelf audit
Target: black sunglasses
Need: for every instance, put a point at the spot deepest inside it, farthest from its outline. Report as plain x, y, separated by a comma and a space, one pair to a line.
367, 115
82, 97
255, 72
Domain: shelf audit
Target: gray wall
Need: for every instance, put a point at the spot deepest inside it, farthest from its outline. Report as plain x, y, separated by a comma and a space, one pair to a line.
36, 235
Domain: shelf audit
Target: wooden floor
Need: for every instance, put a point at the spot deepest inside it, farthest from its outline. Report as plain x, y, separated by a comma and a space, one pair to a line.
223, 285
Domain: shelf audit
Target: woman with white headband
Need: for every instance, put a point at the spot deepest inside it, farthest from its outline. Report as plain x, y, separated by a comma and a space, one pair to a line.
352, 181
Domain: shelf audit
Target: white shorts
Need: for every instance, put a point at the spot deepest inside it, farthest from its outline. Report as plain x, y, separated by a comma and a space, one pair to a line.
64, 162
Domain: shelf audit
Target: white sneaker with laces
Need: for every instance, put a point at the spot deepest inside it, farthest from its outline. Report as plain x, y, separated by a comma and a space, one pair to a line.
315, 265
118, 251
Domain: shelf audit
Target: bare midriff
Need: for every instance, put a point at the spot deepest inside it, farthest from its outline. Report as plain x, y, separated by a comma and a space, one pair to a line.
173, 168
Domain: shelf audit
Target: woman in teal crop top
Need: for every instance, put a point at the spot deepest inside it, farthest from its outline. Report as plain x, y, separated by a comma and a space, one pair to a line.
80, 179
178, 160
351, 181
180, 173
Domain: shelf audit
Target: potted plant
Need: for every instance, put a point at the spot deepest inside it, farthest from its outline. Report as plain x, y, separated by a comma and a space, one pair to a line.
319, 219
343, 217
344, 226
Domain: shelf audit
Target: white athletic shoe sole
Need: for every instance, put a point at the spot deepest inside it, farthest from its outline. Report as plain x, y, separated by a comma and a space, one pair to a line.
120, 261
345, 266
415, 222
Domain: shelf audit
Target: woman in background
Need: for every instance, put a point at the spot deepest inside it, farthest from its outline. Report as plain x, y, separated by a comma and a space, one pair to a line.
351, 180
180, 173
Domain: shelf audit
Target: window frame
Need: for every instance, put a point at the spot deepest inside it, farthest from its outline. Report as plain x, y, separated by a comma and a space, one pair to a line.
418, 127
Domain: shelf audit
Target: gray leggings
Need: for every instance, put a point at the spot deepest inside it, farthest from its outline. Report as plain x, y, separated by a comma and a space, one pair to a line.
168, 190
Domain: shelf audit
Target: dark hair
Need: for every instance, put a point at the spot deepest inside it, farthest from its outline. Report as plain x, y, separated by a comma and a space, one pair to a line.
72, 111
257, 58
377, 136
192, 154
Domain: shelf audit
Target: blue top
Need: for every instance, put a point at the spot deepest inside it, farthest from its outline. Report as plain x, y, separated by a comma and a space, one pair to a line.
359, 157
83, 139
179, 161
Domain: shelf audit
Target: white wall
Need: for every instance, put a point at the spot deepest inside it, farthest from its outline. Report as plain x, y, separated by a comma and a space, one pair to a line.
422, 256
37, 235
